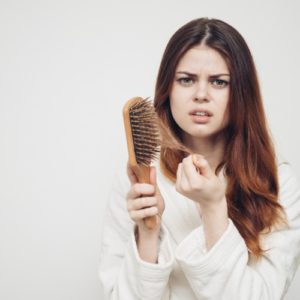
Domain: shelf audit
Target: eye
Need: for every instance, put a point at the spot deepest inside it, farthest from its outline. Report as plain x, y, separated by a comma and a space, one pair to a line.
185, 81
220, 82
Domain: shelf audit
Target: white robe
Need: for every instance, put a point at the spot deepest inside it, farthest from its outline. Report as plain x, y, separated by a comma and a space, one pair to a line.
185, 269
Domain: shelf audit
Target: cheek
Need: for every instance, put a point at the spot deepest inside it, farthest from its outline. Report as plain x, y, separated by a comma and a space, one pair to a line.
221, 101
179, 97
224, 114
173, 97
175, 101
175, 108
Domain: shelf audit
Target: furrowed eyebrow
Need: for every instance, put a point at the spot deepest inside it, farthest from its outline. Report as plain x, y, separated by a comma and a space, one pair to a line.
195, 75
218, 75
187, 73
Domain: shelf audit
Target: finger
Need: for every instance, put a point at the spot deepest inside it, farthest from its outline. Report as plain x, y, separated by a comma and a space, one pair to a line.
153, 180
178, 176
143, 202
139, 189
131, 174
184, 183
138, 215
200, 162
192, 176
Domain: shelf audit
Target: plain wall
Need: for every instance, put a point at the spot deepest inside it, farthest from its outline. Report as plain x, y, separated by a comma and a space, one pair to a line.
66, 70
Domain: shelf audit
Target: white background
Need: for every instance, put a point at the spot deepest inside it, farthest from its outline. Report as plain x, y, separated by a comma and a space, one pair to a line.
66, 70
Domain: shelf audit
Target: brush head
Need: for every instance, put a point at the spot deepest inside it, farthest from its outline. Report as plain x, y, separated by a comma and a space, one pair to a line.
144, 130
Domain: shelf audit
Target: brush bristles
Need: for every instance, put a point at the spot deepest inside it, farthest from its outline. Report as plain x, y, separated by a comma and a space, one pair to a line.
145, 133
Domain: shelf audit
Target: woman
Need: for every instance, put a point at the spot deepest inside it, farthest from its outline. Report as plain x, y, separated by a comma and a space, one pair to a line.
228, 215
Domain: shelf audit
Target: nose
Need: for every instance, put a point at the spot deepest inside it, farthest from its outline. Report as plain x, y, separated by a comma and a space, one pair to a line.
201, 92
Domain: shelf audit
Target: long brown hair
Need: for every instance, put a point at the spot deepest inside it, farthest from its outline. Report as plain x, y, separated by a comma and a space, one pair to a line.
249, 159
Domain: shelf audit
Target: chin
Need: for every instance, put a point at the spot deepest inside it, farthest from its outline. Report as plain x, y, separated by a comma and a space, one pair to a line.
202, 133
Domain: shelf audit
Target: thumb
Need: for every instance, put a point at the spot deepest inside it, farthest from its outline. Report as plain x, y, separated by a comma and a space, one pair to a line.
153, 180
202, 165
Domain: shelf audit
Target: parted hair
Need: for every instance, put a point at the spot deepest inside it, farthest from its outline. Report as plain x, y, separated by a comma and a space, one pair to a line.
249, 160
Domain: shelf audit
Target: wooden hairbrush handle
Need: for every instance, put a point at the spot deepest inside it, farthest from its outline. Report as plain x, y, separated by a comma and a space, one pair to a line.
143, 174
142, 171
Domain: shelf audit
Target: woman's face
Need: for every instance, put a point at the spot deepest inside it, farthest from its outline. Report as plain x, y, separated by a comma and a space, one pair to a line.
201, 85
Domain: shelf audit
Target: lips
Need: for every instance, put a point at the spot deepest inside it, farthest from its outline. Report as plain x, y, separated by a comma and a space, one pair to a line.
201, 110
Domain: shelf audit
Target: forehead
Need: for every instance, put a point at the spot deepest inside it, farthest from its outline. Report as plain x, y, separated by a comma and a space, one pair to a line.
202, 57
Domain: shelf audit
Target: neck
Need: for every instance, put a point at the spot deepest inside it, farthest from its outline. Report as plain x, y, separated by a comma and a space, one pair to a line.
212, 147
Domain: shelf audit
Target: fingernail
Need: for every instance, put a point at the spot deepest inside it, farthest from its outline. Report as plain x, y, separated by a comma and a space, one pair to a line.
196, 157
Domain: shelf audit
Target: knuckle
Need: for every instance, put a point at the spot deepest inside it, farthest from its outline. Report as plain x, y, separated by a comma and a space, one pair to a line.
152, 189
194, 185
132, 216
147, 213
203, 162
151, 211
185, 162
136, 189
144, 201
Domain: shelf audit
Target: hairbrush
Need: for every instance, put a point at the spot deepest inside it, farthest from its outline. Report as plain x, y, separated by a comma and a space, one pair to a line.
142, 137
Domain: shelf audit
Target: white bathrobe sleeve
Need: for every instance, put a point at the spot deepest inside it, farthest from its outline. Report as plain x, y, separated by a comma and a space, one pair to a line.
225, 272
122, 273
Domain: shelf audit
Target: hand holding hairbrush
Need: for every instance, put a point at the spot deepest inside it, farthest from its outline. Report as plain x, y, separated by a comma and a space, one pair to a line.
142, 137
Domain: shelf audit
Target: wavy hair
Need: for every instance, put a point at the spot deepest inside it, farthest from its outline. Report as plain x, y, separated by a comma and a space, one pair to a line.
249, 159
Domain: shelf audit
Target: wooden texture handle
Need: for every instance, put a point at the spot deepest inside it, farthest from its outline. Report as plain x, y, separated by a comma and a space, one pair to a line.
142, 172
